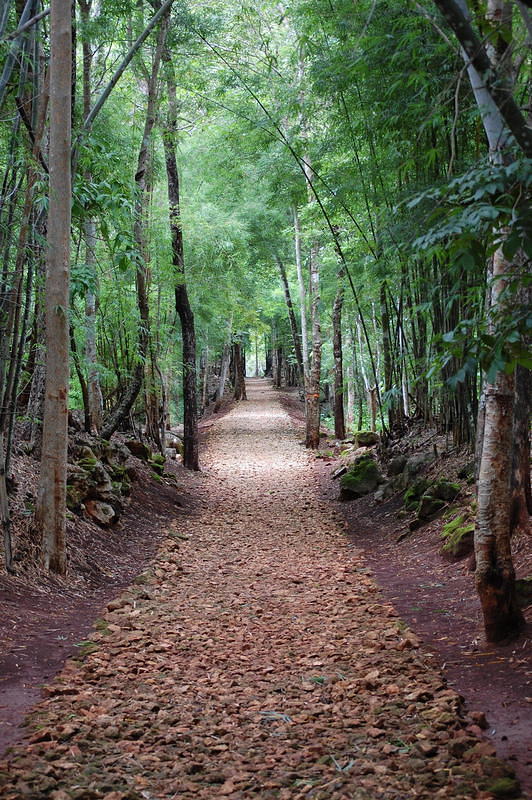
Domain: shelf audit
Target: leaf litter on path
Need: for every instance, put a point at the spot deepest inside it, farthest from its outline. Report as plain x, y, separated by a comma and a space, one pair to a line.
255, 657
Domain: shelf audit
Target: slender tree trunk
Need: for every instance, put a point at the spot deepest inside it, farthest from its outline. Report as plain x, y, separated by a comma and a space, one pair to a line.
302, 293
312, 438
94, 393
387, 356
205, 378
350, 375
51, 502
182, 302
292, 320
240, 377
371, 391
520, 484
225, 362
127, 400
339, 418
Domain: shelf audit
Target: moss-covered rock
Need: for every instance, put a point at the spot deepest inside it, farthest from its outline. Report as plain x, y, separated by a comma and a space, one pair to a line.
366, 438
362, 478
444, 490
397, 465
458, 536
414, 494
156, 462
505, 787
138, 449
78, 486
429, 507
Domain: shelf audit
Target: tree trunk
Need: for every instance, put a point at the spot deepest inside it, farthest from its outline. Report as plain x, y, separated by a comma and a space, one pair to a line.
350, 377
224, 366
125, 404
205, 378
94, 392
495, 576
521, 499
51, 502
182, 302
292, 320
5, 518
339, 418
312, 438
302, 298
240, 378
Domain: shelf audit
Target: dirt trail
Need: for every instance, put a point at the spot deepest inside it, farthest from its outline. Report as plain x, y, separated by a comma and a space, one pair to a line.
255, 658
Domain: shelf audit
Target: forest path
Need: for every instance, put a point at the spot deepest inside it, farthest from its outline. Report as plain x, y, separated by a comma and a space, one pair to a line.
255, 658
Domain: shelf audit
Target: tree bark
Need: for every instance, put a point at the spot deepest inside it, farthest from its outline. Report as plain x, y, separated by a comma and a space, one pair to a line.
312, 437
51, 502
240, 378
339, 417
496, 92
94, 393
127, 400
182, 302
225, 362
292, 320
495, 576
302, 293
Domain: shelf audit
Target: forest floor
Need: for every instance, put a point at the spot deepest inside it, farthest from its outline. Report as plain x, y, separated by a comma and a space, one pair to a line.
256, 656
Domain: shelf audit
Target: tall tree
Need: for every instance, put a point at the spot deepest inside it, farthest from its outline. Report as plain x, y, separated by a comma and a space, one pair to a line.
489, 73
182, 301
51, 502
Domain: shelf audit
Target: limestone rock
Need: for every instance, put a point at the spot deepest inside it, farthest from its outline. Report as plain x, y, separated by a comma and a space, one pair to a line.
414, 494
138, 449
429, 506
366, 438
362, 478
445, 490
397, 465
384, 492
102, 513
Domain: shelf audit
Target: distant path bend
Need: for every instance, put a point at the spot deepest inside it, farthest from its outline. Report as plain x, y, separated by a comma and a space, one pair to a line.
256, 658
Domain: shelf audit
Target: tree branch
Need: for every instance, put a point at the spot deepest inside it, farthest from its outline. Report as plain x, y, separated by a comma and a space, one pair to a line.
501, 96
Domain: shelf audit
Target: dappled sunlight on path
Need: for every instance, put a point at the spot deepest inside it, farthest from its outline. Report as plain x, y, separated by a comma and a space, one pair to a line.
256, 658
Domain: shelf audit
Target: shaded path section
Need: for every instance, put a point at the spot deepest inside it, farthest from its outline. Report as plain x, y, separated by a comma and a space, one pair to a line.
255, 658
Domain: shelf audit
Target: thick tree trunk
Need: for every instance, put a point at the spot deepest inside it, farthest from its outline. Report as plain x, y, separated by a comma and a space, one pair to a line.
182, 302
339, 418
495, 576
312, 437
51, 502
